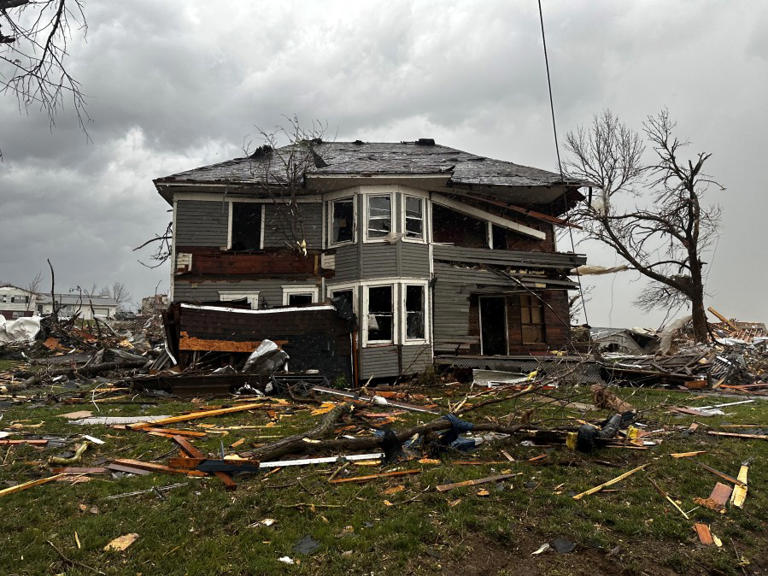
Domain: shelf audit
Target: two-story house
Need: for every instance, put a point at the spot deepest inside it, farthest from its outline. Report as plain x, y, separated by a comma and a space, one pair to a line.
437, 251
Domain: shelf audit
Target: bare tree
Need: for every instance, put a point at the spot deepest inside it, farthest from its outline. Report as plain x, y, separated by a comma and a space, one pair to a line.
34, 46
162, 248
280, 172
651, 213
120, 293
33, 287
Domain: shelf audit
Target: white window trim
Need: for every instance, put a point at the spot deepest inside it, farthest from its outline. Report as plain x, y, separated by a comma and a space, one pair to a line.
229, 220
310, 289
331, 288
365, 313
329, 221
392, 208
404, 314
416, 240
252, 296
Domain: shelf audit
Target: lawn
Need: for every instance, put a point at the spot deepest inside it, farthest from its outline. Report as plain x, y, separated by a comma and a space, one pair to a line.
387, 526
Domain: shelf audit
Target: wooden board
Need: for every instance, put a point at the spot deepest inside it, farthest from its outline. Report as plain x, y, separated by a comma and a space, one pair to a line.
152, 467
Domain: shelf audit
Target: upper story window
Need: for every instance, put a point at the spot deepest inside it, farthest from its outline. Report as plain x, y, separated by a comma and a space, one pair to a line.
413, 218
342, 221
379, 216
246, 226
299, 295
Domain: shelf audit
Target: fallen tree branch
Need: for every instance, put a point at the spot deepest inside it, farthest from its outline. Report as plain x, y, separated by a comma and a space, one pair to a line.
82, 371
291, 444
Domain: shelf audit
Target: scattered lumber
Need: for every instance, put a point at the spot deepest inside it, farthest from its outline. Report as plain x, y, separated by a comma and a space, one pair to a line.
678, 455
30, 484
374, 476
722, 475
738, 435
610, 482
739, 494
195, 416
152, 467
705, 536
23, 441
477, 481
194, 452
174, 432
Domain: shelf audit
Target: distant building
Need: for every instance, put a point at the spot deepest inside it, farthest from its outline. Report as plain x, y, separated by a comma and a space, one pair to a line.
71, 304
154, 304
16, 302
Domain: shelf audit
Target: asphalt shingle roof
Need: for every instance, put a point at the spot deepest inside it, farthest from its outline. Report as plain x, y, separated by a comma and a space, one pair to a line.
374, 158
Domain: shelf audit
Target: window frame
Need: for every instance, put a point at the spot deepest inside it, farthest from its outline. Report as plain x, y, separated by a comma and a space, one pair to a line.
251, 296
404, 219
366, 313
300, 290
366, 216
424, 285
542, 325
230, 216
331, 289
329, 220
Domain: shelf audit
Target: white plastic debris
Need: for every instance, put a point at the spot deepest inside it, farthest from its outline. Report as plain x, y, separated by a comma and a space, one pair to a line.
262, 349
543, 548
20, 330
286, 560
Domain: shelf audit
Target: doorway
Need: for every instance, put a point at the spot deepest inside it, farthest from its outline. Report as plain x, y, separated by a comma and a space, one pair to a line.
493, 326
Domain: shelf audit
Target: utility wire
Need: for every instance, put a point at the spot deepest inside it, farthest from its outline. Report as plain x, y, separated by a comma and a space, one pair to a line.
557, 151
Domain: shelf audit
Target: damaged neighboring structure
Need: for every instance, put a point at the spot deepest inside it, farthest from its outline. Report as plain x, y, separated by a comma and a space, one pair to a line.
16, 302
439, 253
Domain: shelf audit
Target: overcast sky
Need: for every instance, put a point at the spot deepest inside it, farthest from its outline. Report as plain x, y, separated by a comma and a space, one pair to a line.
175, 85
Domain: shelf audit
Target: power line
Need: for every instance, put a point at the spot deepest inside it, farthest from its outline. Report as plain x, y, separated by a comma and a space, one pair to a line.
557, 150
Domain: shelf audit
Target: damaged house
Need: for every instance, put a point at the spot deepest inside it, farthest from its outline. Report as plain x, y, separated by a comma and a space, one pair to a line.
440, 254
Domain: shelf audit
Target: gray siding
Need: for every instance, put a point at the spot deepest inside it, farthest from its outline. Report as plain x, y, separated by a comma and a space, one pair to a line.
379, 362
278, 230
379, 261
557, 260
201, 223
415, 359
451, 312
413, 259
347, 263
270, 290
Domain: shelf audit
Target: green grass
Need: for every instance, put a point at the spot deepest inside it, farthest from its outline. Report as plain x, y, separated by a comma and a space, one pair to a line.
203, 529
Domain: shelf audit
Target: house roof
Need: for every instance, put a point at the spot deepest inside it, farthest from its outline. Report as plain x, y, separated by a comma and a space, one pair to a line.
67, 299
419, 158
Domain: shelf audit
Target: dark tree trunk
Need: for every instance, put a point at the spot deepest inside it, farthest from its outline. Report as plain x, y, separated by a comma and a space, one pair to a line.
699, 317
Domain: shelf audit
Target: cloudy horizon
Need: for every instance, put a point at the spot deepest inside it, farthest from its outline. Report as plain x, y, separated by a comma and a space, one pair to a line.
171, 86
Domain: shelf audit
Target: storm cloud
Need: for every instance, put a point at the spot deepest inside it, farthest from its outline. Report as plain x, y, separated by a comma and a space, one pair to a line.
174, 85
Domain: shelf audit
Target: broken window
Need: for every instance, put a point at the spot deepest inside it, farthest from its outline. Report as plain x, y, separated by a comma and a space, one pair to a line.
299, 299
380, 316
379, 216
499, 237
246, 226
414, 312
240, 299
453, 228
299, 295
344, 301
532, 319
343, 221
414, 217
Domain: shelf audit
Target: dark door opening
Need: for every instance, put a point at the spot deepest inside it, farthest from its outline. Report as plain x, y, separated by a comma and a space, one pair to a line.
493, 326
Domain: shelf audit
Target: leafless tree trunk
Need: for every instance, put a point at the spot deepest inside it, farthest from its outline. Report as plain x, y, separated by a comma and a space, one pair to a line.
651, 214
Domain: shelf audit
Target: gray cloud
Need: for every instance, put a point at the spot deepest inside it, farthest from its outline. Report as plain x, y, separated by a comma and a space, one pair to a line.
173, 85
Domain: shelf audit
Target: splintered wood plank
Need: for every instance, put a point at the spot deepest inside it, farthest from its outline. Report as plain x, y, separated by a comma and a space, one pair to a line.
610, 482
688, 454
738, 435
705, 536
196, 416
498, 477
190, 450
374, 476
174, 432
739, 494
30, 484
722, 475
81, 470
127, 469
19, 442
152, 467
